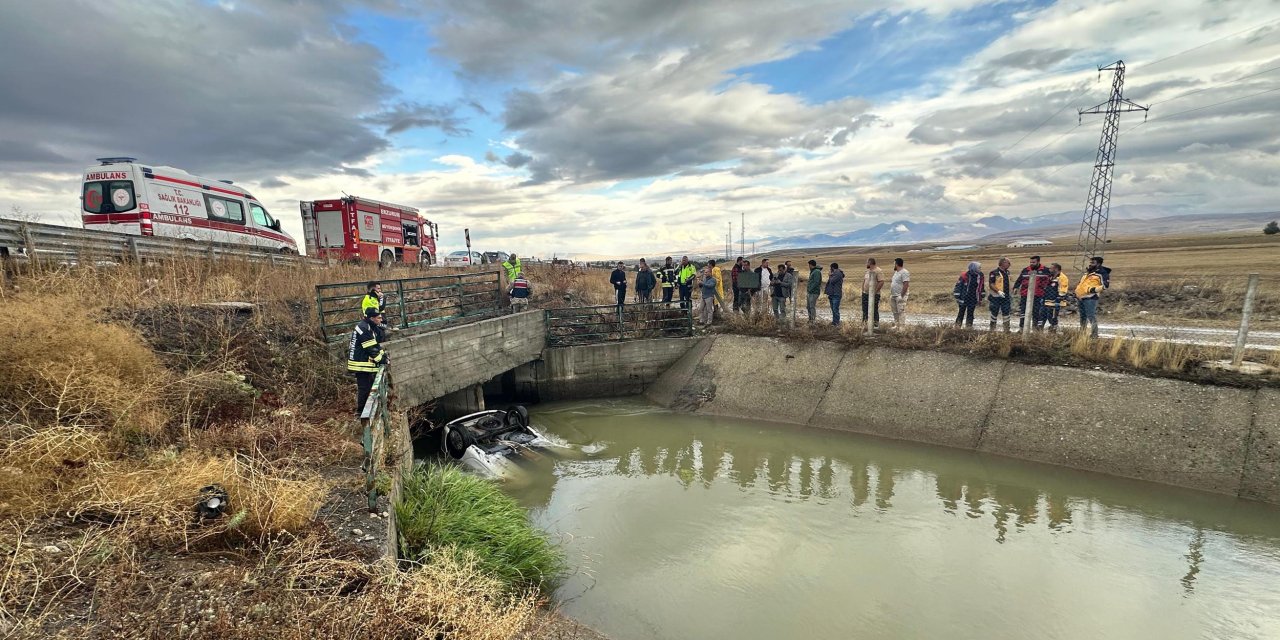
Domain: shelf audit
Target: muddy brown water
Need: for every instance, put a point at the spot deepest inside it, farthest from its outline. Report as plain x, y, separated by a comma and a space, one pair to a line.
688, 527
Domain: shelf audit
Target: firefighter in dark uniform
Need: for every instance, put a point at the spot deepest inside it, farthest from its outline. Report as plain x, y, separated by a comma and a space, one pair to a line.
365, 354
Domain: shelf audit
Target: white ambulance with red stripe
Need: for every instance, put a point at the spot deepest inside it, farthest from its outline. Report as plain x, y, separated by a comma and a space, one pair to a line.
124, 196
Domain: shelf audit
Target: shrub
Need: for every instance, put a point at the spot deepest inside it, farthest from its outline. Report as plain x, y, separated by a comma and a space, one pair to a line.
64, 366
445, 513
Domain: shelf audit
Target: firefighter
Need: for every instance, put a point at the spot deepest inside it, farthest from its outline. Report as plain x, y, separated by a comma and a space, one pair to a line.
365, 354
513, 267
373, 298
684, 278
667, 276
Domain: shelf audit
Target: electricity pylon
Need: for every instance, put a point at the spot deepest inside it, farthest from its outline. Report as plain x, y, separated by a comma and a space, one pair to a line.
1097, 209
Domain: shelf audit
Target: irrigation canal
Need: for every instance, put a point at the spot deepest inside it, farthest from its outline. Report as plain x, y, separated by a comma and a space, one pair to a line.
687, 526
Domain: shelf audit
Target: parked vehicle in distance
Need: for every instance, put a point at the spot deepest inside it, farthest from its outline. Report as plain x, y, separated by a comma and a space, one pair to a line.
360, 229
123, 196
496, 257
463, 259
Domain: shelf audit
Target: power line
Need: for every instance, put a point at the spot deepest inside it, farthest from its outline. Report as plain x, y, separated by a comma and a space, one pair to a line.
1252, 95
1215, 86
1201, 46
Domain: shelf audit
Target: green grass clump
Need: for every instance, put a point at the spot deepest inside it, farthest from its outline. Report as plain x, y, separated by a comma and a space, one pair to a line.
444, 511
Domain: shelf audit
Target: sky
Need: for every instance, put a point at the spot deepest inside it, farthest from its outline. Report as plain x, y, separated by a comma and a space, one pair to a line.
636, 127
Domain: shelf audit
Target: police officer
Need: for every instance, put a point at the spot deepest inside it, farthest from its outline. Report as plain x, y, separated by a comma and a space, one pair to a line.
365, 354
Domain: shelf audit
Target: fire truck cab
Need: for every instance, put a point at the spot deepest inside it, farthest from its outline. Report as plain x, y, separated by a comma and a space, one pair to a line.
360, 229
123, 196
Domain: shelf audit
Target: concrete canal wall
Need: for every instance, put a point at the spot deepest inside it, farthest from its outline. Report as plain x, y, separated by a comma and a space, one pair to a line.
599, 371
1216, 439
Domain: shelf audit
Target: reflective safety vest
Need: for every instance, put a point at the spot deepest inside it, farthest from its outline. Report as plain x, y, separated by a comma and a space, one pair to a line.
512, 270
371, 300
364, 354
687, 274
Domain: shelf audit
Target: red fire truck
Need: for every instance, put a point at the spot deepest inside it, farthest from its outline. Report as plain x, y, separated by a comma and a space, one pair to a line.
354, 228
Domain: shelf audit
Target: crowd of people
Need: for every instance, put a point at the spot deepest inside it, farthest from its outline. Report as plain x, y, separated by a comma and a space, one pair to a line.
1043, 292
769, 289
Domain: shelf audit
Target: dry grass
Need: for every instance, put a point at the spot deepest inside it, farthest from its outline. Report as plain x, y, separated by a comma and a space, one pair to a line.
297, 589
65, 367
1069, 348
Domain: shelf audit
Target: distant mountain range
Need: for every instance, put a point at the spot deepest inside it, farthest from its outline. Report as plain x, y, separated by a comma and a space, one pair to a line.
911, 232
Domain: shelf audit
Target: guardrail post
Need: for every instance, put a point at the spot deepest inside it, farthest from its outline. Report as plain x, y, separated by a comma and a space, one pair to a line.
324, 330
1028, 309
29, 245
1237, 357
462, 311
134, 256
404, 314
497, 301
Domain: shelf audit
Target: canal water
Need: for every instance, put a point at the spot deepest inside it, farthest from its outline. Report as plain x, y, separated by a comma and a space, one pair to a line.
689, 527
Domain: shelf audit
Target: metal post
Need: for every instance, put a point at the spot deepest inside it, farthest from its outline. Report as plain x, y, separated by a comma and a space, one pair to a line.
1027, 320
1250, 293
133, 250
872, 307
324, 330
404, 314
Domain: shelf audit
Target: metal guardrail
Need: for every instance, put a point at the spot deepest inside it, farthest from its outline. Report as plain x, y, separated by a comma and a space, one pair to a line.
375, 422
80, 246
410, 302
611, 323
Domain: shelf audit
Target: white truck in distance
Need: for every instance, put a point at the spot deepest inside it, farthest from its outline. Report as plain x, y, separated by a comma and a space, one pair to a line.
123, 196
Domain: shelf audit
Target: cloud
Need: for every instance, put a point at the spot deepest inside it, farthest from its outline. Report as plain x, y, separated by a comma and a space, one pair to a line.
264, 86
405, 116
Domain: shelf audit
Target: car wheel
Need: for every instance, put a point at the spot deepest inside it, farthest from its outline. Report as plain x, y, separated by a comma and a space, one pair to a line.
517, 416
456, 442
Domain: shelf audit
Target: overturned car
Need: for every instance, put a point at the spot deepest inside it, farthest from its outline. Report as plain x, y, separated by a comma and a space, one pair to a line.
489, 442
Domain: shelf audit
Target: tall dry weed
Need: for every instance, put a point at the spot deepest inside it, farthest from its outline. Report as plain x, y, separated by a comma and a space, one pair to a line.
64, 366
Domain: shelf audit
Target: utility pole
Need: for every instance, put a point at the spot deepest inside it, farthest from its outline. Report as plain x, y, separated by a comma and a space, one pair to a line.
742, 230
728, 242
1097, 208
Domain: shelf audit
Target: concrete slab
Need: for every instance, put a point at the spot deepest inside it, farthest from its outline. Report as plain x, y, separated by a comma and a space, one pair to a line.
1261, 477
1167, 431
766, 378
922, 396
667, 387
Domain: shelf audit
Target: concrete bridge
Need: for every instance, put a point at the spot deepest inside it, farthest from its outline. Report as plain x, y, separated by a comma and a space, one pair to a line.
511, 355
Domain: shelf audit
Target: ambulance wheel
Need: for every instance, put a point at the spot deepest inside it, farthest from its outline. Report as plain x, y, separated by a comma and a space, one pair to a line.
386, 260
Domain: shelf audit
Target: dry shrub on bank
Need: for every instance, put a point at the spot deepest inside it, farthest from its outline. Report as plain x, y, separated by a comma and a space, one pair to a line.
298, 589
157, 498
63, 366
73, 471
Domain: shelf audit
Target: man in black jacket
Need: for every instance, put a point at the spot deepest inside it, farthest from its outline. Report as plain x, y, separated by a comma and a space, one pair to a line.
365, 354
619, 281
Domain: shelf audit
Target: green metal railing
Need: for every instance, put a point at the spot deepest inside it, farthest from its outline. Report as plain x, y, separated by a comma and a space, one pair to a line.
375, 422
410, 302
612, 323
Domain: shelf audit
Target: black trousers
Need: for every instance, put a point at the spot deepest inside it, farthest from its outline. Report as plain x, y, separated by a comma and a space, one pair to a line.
686, 296
876, 315
666, 293
622, 297
364, 384
965, 315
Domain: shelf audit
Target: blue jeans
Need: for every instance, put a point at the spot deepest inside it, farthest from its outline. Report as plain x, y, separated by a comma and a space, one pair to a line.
1089, 314
835, 309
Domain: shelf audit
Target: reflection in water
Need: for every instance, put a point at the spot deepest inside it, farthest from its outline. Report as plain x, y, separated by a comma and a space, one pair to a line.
766, 530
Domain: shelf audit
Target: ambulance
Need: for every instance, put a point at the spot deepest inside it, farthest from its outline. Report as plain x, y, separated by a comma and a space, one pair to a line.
123, 196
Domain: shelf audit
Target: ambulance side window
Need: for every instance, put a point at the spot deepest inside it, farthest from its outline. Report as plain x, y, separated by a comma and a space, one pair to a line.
224, 210
259, 215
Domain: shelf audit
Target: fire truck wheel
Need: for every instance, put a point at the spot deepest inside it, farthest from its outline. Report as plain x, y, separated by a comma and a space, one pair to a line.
424, 258
386, 260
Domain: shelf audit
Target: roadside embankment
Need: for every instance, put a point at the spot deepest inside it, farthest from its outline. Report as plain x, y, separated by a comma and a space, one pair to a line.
1219, 439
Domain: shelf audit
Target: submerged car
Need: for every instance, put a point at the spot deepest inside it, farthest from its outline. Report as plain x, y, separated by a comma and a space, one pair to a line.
489, 442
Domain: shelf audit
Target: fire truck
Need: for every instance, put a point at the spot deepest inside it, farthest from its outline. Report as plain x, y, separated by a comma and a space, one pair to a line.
355, 228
